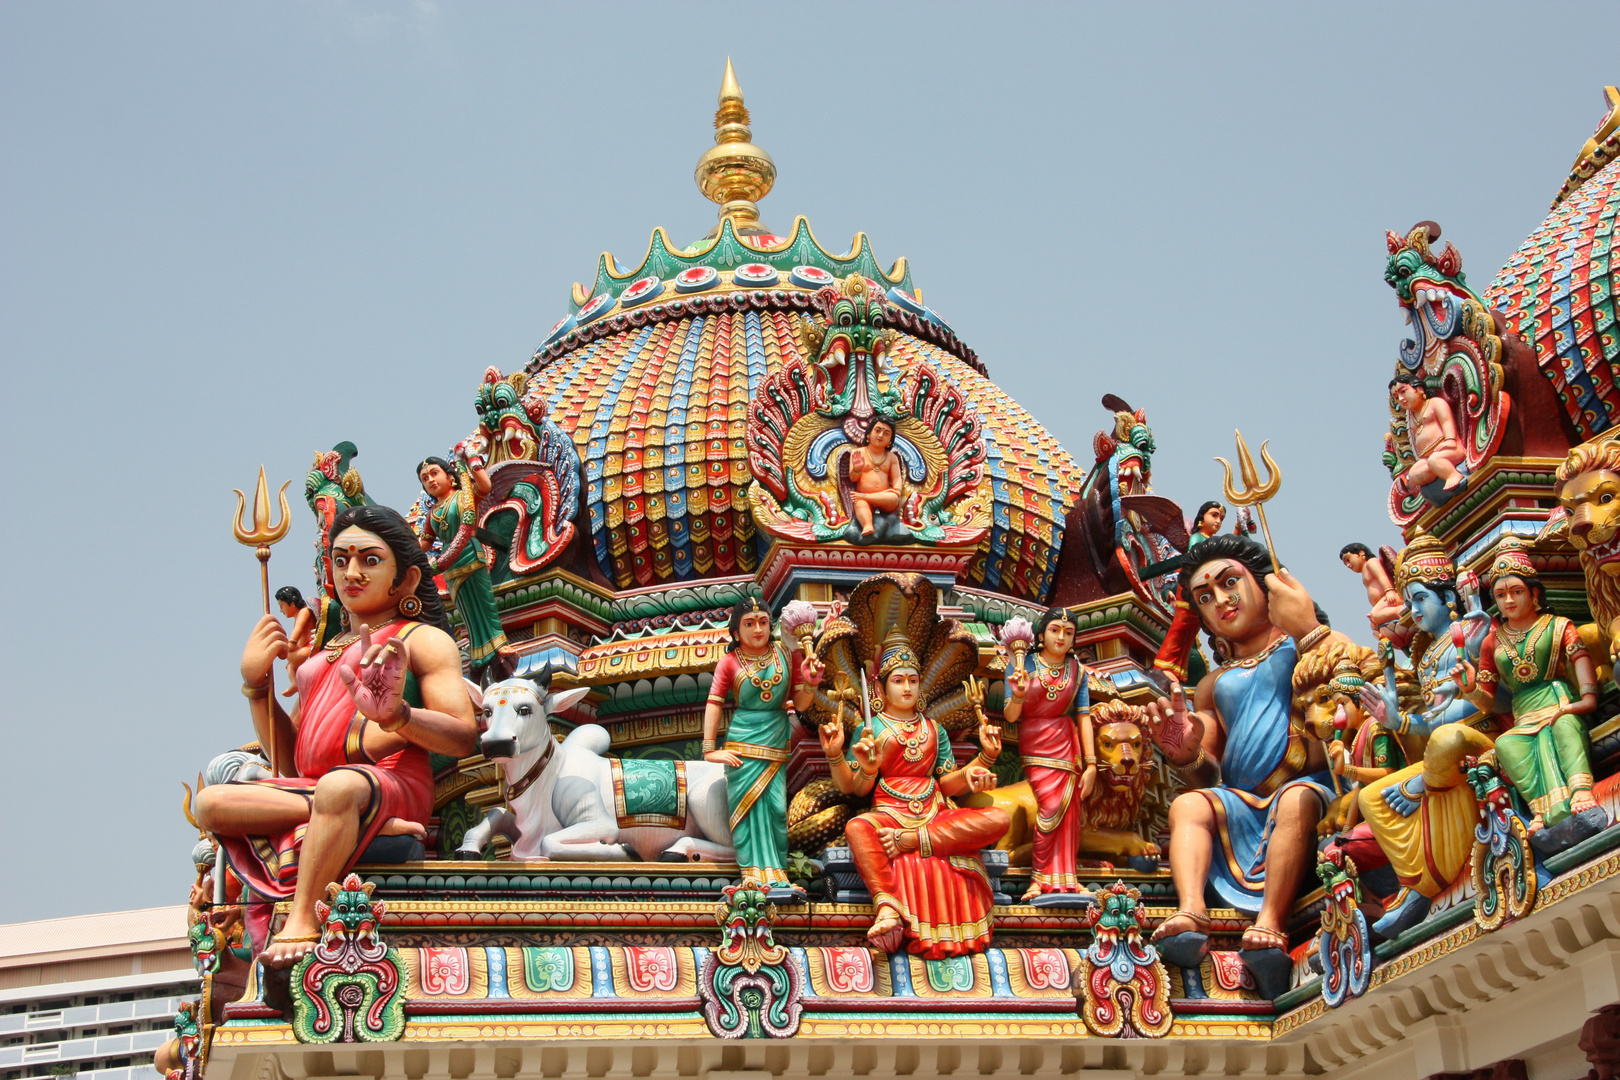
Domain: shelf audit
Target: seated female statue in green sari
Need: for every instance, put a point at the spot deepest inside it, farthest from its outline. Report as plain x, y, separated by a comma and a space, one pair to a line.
1537, 660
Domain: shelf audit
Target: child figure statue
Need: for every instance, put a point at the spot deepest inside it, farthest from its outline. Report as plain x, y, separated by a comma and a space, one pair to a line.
1378, 578
874, 470
1433, 431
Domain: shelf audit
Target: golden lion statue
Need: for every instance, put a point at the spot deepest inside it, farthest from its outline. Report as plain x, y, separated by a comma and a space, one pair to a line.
1113, 813
1588, 488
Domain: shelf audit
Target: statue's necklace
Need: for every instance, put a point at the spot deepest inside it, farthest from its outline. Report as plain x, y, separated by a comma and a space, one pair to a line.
908, 733
1522, 647
1053, 689
751, 667
336, 647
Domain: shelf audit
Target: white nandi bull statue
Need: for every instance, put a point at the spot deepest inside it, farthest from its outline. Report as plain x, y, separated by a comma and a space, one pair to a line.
569, 802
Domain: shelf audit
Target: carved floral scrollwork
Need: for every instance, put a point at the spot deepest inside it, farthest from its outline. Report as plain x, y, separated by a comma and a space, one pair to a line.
349, 988
1344, 944
750, 986
1123, 988
808, 420
1503, 868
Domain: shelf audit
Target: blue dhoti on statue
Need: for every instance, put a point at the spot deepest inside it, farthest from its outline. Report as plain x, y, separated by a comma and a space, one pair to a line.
1264, 756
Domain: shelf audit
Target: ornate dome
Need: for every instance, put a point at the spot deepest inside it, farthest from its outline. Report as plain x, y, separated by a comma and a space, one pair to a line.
652, 372
1557, 292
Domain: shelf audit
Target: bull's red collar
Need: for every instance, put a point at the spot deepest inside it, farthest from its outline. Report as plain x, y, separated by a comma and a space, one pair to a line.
534, 772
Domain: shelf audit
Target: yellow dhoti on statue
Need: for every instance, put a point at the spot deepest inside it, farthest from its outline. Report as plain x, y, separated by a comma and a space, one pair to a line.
1428, 849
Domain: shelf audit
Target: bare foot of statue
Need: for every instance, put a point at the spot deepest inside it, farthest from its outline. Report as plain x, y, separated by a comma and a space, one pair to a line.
1182, 922
1452, 484
897, 842
888, 930
395, 826
1537, 824
1264, 937
1581, 800
295, 941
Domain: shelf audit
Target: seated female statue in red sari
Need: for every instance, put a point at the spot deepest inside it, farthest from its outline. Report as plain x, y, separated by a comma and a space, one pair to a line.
1051, 704
369, 712
917, 852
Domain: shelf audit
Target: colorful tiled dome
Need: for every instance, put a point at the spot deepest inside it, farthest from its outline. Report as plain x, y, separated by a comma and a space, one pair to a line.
652, 373
1557, 292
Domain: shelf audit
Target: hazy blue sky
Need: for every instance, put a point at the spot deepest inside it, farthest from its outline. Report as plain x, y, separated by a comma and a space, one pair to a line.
237, 233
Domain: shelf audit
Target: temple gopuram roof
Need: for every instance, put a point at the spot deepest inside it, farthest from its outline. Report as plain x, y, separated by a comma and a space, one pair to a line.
688, 489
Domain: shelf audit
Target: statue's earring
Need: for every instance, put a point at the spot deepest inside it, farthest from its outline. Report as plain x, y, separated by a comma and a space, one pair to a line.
410, 605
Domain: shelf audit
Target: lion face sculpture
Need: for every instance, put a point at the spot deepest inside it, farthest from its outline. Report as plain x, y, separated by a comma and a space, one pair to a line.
1124, 766
1589, 504
1589, 492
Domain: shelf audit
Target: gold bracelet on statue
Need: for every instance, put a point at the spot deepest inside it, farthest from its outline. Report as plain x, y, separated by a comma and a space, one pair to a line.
708, 746
1313, 639
1091, 759
1194, 763
395, 725
254, 693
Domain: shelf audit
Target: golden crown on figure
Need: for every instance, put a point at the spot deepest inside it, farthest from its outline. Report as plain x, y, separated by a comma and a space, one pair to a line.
1512, 558
1424, 560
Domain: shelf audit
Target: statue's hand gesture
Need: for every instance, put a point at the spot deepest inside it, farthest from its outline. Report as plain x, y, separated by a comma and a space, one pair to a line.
1170, 725
1466, 676
979, 778
377, 681
1017, 681
811, 670
265, 645
989, 739
832, 737
865, 751
1088, 781
1377, 708
1292, 610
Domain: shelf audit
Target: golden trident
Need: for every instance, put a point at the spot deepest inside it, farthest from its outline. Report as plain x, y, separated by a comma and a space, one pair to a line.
260, 535
261, 532
1254, 493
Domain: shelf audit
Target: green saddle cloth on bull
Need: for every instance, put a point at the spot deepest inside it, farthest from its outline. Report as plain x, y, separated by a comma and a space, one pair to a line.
649, 791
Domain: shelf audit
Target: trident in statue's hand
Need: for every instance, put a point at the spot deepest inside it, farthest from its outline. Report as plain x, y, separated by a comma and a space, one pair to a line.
1254, 493
259, 535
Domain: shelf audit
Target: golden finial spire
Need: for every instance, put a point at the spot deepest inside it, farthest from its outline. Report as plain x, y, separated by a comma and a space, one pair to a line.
734, 172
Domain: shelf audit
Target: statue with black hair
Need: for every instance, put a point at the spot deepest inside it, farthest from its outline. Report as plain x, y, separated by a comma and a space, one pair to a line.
301, 638
1377, 572
1206, 523
1431, 429
1246, 831
875, 475
452, 521
384, 696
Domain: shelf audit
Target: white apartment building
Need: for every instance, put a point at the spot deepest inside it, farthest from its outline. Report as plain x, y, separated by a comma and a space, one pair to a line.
93, 995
